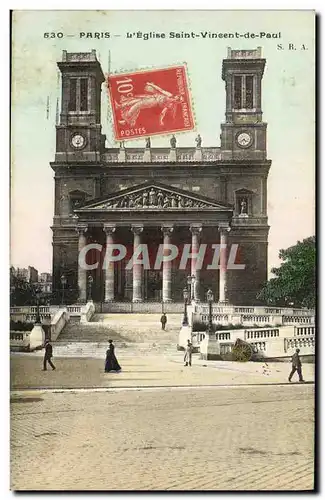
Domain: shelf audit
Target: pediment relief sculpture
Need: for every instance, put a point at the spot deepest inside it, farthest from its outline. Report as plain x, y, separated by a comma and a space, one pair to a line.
153, 197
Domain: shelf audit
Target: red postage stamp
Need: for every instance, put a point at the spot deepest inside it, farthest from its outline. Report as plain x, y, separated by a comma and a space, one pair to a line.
150, 102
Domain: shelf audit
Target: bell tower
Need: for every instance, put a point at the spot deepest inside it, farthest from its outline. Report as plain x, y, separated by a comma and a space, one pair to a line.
78, 135
243, 135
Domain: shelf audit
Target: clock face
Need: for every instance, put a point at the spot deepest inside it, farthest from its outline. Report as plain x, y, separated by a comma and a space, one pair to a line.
244, 139
78, 141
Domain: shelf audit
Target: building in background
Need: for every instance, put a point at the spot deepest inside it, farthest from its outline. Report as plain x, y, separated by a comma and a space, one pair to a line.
30, 274
42, 282
45, 277
45, 283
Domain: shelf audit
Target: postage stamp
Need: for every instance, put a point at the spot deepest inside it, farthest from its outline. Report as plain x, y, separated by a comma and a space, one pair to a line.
150, 102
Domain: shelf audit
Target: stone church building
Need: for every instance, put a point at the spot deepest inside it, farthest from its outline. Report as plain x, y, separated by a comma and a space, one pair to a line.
160, 196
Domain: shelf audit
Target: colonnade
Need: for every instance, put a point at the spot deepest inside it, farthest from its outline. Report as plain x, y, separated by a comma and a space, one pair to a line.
137, 269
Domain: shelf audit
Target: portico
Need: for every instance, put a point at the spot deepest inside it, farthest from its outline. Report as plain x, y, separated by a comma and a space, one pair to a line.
151, 249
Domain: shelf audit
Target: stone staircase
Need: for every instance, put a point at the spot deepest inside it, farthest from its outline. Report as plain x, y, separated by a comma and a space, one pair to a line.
132, 334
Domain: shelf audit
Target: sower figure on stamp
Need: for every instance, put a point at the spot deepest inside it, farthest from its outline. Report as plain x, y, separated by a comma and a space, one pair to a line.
48, 355
111, 364
188, 354
296, 366
163, 321
155, 96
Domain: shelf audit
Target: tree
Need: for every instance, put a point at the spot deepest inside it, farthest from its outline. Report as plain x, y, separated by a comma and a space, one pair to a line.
21, 291
295, 280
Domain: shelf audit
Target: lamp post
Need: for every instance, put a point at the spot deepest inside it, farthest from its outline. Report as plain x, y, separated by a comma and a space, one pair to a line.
191, 282
210, 300
185, 296
90, 284
38, 316
63, 284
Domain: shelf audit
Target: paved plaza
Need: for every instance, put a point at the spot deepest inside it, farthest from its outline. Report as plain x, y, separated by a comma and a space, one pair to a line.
143, 429
146, 371
249, 438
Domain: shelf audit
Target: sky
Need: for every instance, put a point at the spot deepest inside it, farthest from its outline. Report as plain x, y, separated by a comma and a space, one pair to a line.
287, 99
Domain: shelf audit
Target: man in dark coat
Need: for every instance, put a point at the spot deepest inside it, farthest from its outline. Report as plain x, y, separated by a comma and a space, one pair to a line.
296, 366
48, 355
163, 321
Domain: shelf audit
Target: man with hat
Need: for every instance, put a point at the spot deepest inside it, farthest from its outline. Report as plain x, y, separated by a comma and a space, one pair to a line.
296, 366
48, 355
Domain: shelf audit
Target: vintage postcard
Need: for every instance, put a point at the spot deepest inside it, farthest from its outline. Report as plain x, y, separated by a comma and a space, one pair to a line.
162, 279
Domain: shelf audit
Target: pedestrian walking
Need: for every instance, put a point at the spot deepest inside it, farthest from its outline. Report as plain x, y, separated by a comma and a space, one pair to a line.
48, 355
296, 366
188, 354
163, 321
111, 363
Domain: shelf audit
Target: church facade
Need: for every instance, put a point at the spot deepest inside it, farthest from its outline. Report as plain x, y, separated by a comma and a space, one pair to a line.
192, 199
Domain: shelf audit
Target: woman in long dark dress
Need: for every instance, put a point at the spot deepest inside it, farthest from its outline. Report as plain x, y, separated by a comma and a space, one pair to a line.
111, 363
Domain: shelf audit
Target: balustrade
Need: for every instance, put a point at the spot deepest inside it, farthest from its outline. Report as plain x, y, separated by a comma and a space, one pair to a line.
223, 336
244, 309
162, 155
17, 336
42, 309
225, 348
297, 319
255, 318
74, 309
258, 334
304, 330
299, 343
258, 346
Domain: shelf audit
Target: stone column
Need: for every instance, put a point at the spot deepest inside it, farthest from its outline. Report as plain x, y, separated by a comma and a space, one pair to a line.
224, 230
137, 268
167, 266
229, 97
258, 92
82, 273
263, 196
195, 230
109, 269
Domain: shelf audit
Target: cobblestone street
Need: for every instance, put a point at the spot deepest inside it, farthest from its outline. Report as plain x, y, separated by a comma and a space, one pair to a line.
225, 438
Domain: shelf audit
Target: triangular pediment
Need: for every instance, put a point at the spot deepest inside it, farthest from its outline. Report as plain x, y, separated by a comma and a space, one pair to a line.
153, 196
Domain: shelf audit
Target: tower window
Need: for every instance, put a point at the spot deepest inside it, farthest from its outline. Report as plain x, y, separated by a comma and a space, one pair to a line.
83, 94
237, 92
73, 95
249, 93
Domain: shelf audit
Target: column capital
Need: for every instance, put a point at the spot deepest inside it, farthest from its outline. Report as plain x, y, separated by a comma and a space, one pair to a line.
81, 229
109, 228
196, 228
224, 228
137, 229
167, 230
